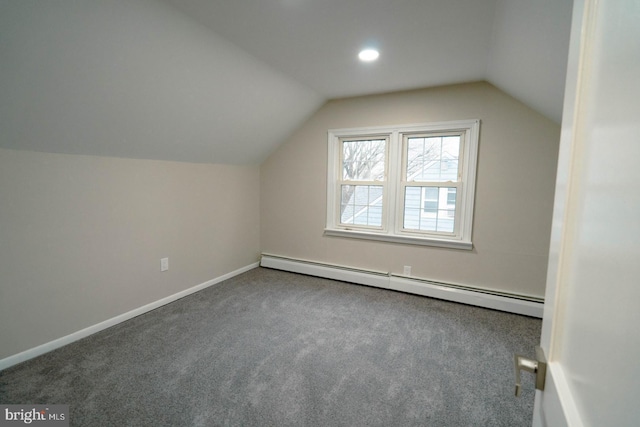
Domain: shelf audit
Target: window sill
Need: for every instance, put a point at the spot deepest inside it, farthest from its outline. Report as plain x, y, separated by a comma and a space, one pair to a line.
420, 241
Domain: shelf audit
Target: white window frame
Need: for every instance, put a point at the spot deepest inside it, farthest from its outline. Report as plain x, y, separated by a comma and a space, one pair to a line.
393, 200
384, 183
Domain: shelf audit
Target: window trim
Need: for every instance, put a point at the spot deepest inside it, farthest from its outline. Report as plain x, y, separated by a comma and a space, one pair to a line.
392, 227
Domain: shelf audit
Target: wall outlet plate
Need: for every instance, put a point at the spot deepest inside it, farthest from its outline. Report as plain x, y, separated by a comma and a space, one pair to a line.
164, 264
406, 270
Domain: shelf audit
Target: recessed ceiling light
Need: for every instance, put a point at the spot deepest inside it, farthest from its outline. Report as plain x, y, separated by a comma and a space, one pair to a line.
368, 55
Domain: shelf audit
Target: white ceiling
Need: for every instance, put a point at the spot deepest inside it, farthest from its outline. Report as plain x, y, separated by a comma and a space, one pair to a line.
518, 45
226, 81
137, 79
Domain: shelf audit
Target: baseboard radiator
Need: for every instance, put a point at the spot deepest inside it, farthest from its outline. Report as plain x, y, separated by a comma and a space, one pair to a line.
512, 303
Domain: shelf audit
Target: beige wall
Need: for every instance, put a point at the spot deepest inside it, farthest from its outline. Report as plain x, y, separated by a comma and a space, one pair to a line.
514, 193
81, 237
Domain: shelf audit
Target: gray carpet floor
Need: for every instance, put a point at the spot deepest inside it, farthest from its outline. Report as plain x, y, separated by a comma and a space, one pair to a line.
270, 348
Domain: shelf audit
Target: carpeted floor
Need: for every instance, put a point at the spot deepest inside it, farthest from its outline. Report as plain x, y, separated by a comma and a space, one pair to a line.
270, 348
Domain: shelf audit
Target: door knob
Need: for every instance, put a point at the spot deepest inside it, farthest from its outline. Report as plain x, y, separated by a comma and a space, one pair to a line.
537, 367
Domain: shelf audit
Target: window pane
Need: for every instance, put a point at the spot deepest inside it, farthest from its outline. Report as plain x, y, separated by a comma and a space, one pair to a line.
433, 158
451, 197
361, 205
430, 208
363, 160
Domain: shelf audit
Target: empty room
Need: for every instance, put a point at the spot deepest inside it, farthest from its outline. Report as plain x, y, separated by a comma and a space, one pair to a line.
319, 213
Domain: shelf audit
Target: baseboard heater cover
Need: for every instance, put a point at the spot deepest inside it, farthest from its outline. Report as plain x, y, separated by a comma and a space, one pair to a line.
518, 304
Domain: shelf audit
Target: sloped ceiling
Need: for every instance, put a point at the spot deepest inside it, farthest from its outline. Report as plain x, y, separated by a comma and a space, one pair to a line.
529, 48
224, 81
137, 79
518, 45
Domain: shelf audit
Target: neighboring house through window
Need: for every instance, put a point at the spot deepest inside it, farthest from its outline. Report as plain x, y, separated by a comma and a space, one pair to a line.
409, 184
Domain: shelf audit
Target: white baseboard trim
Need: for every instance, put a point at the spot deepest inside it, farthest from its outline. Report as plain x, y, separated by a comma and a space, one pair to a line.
518, 304
68, 339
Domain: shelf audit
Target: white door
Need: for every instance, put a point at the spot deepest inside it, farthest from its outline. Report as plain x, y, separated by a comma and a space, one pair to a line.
591, 325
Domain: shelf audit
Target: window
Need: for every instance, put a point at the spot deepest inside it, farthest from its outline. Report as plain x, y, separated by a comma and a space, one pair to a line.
409, 184
363, 166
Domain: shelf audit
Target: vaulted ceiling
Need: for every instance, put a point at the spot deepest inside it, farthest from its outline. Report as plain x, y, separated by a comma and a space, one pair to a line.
518, 45
226, 81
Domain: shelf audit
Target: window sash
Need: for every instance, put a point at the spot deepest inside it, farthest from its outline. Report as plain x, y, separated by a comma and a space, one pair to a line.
405, 154
401, 215
366, 159
341, 182
373, 208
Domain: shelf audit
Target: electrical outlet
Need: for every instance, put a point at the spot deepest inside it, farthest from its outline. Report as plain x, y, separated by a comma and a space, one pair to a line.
164, 264
407, 270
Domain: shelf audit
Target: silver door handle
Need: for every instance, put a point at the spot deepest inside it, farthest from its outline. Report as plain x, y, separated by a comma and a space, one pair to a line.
537, 367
